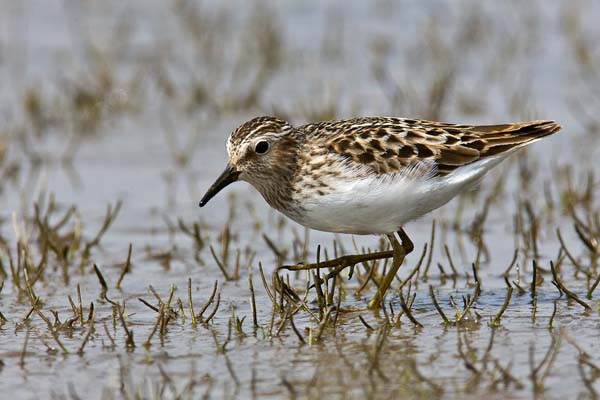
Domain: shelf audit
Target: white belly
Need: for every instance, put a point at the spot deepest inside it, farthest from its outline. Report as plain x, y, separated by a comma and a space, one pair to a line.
379, 205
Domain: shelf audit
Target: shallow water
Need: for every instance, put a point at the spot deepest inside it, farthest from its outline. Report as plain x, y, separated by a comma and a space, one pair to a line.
158, 152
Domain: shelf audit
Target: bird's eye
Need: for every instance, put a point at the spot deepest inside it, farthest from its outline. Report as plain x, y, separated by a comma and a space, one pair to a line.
262, 147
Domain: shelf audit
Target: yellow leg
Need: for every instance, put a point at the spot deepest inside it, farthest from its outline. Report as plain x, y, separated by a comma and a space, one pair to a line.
407, 244
400, 251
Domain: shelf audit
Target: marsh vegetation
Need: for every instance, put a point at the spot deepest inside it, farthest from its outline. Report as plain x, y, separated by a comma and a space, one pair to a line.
113, 284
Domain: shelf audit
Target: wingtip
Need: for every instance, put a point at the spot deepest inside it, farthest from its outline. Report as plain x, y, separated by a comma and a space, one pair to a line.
552, 126
545, 126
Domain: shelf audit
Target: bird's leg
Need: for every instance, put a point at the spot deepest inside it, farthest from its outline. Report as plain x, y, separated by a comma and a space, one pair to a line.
399, 252
407, 244
343, 261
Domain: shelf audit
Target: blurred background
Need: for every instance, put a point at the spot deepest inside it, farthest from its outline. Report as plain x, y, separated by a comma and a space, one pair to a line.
129, 104
139, 96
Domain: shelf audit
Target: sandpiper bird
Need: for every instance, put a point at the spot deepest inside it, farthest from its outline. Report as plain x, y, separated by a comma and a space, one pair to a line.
367, 175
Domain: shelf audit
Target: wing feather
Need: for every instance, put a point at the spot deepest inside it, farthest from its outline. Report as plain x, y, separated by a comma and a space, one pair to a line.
392, 144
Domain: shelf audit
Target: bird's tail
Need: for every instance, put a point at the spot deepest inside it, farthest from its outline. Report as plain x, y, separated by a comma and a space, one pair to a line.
504, 138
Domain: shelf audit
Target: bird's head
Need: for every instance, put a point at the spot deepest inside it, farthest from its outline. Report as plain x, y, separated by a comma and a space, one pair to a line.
261, 152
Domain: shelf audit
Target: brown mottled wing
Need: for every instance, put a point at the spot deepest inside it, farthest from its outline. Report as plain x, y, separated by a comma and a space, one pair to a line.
391, 144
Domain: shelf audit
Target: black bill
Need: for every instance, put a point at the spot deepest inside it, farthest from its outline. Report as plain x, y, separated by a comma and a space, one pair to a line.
228, 176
